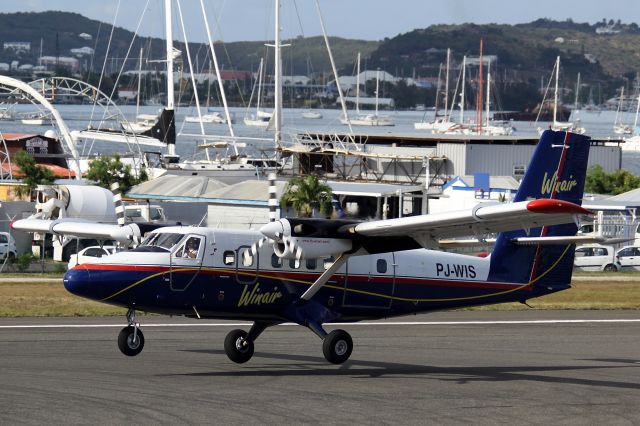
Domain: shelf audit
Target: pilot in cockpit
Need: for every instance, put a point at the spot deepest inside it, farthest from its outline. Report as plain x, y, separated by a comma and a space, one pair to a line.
191, 248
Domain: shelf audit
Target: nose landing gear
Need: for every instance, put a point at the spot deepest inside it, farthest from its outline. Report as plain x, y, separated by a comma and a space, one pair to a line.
131, 339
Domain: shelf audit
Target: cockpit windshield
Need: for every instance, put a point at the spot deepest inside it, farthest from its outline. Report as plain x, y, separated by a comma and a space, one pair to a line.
163, 240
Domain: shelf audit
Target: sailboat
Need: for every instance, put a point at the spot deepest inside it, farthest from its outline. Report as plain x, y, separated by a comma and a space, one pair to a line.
566, 126
619, 127
311, 114
233, 167
260, 118
440, 124
212, 117
633, 143
367, 119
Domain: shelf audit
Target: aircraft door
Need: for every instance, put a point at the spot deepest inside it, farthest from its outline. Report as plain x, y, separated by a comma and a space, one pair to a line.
247, 265
370, 281
186, 261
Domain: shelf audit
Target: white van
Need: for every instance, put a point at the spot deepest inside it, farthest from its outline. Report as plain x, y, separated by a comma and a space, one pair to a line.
629, 258
595, 258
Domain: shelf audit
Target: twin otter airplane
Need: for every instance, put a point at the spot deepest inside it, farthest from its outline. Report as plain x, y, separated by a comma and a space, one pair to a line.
314, 272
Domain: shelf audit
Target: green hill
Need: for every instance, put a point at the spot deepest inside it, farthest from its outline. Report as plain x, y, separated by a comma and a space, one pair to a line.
526, 53
59, 33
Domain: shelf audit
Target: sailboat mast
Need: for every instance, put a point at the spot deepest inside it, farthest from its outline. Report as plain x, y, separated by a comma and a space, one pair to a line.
464, 68
358, 85
480, 94
555, 96
168, 24
278, 79
139, 82
575, 104
343, 104
260, 67
635, 121
446, 89
218, 76
488, 92
377, 88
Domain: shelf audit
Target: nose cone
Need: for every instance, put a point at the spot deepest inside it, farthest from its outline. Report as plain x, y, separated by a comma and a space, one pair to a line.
77, 281
273, 230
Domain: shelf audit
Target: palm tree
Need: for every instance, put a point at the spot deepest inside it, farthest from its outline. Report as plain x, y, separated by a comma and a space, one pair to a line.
306, 193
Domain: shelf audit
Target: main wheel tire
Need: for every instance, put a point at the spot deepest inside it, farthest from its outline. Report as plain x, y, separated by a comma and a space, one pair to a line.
337, 346
610, 268
237, 348
126, 343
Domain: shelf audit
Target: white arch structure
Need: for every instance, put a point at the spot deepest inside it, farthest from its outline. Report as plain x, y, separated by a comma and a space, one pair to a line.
62, 126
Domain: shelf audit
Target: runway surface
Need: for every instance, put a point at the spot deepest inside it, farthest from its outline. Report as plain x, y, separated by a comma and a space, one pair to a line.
570, 367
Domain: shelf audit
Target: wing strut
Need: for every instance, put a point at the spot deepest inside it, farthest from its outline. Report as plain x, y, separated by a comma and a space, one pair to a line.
322, 279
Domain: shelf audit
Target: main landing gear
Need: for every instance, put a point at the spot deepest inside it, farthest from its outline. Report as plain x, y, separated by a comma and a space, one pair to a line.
131, 339
336, 346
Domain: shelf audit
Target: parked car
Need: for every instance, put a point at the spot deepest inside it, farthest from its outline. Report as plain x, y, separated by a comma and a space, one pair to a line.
7, 246
596, 258
629, 257
89, 254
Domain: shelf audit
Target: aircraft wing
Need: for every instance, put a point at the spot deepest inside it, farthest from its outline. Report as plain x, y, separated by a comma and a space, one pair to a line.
80, 228
484, 219
317, 237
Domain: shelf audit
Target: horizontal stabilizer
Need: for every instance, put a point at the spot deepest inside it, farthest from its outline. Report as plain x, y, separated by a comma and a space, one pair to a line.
564, 240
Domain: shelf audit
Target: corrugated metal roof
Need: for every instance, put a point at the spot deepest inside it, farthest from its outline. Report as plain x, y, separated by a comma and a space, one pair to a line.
250, 190
176, 186
632, 196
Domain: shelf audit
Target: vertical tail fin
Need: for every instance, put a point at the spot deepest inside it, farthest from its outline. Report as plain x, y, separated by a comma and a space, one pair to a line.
557, 171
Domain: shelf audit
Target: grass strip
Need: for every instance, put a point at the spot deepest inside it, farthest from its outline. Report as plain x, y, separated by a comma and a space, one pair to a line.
50, 299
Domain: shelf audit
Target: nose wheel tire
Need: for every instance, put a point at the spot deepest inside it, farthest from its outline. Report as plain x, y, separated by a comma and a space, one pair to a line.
337, 346
236, 346
130, 341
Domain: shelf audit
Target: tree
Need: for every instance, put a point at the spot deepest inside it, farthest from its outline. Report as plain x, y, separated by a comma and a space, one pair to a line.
600, 182
32, 174
306, 193
106, 170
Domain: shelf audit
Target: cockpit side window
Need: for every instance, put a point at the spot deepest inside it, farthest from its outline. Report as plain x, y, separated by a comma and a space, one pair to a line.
191, 247
161, 240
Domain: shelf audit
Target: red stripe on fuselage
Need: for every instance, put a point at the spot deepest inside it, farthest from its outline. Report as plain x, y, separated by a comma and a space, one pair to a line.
305, 276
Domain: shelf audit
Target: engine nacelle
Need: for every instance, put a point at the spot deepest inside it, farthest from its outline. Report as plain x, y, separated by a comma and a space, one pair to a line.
307, 238
310, 248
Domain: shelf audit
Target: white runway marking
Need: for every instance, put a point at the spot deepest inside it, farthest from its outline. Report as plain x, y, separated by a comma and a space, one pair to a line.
403, 323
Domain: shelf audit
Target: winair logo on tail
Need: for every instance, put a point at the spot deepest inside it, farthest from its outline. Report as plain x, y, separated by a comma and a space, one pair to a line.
551, 184
255, 297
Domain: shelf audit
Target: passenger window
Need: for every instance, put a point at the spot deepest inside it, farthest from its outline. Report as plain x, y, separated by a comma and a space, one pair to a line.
246, 256
311, 264
328, 262
294, 263
276, 261
3, 239
229, 257
381, 266
580, 253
